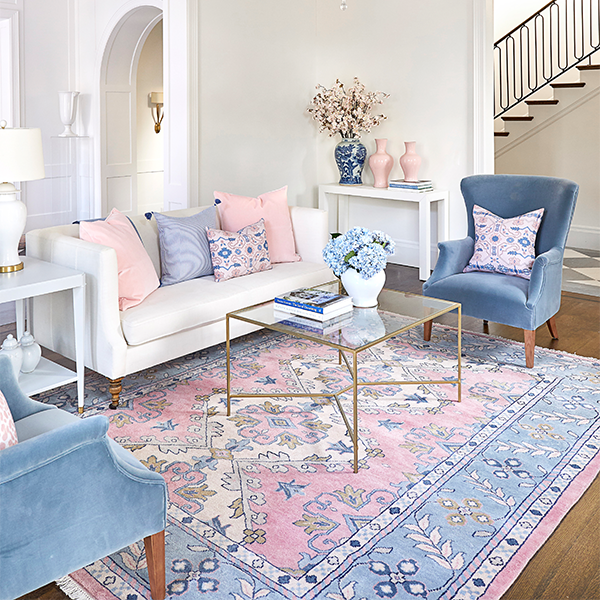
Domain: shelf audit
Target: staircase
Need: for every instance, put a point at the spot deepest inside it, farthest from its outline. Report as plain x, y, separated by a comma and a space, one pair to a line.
544, 67
545, 106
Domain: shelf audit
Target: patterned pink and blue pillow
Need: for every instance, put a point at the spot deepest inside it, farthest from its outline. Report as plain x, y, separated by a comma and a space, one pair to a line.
504, 246
8, 432
241, 253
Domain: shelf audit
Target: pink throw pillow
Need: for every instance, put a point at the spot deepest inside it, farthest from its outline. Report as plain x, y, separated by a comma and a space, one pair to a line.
8, 433
237, 212
504, 246
137, 277
241, 253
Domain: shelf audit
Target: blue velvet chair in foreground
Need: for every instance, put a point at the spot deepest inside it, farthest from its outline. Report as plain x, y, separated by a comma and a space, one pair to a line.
69, 495
497, 297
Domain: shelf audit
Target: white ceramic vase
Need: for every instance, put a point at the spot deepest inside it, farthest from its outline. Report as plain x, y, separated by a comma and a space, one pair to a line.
68, 109
11, 348
32, 353
364, 292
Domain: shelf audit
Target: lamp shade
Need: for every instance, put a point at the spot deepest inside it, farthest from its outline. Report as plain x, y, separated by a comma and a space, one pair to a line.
21, 157
156, 97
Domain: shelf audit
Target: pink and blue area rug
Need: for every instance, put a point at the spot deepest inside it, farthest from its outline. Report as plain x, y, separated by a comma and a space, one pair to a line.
450, 501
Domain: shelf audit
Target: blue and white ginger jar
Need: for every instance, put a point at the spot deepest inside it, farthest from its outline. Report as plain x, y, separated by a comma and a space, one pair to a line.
350, 155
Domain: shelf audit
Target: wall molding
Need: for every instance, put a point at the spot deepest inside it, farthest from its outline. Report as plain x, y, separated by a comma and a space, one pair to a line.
582, 236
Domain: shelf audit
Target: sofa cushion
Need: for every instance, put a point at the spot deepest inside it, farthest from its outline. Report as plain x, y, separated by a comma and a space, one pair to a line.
236, 212
241, 253
504, 246
200, 301
8, 433
137, 276
184, 250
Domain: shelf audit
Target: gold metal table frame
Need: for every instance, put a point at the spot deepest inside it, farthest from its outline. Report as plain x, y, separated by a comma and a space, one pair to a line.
255, 315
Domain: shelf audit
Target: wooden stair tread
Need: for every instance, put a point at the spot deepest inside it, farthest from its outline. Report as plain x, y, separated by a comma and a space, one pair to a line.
589, 67
501, 133
574, 84
524, 118
541, 102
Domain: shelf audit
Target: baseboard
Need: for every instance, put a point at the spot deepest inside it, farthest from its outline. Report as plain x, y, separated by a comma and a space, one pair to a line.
7, 313
581, 236
407, 254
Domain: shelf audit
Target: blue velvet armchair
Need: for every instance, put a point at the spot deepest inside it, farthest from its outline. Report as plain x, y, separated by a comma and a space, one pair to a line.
500, 298
69, 495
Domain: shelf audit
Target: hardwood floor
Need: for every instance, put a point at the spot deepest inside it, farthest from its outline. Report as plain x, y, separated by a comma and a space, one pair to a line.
567, 566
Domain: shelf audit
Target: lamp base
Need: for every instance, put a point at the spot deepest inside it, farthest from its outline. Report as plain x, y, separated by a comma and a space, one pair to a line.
11, 268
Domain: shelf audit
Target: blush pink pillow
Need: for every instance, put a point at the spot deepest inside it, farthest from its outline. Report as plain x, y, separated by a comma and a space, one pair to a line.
237, 212
137, 277
8, 433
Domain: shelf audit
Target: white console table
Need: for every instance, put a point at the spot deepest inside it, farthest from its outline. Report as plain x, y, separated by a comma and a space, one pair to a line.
343, 193
37, 278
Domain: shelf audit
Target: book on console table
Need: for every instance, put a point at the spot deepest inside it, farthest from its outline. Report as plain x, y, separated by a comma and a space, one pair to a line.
312, 325
423, 185
313, 303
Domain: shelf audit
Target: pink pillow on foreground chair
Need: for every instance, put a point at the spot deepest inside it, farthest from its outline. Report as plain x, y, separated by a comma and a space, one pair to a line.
137, 277
237, 212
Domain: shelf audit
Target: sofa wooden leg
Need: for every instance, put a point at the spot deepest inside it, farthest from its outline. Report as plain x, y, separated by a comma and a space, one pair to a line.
551, 322
529, 347
115, 388
155, 559
427, 330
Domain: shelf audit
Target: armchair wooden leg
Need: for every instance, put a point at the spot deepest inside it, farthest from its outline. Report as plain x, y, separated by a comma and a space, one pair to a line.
155, 558
115, 388
529, 347
427, 330
551, 322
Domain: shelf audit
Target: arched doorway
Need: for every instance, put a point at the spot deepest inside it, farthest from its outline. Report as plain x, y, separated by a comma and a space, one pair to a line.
118, 109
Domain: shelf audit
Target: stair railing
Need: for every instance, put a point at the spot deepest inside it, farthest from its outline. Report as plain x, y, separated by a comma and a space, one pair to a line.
562, 34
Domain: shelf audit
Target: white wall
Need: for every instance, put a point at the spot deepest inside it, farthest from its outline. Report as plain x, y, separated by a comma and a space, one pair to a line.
510, 13
257, 72
150, 163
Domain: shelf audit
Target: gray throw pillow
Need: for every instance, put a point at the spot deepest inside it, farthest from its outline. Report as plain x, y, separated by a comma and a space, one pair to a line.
184, 250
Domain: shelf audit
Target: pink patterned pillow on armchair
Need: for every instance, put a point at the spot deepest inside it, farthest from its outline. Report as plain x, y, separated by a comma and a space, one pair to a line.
504, 246
8, 432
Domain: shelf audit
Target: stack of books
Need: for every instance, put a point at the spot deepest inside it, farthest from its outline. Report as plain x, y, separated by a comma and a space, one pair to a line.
423, 185
314, 304
321, 327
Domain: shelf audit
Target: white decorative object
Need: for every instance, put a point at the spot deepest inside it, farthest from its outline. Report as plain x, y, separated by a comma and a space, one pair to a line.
68, 108
21, 159
11, 348
364, 292
32, 353
366, 327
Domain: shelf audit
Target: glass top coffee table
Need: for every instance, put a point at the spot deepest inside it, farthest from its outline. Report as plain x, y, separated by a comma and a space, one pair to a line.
396, 313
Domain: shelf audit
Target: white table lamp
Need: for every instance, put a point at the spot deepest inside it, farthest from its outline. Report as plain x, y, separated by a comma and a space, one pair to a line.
21, 159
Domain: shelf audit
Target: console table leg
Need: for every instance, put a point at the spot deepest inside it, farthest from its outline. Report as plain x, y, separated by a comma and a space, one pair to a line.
424, 239
355, 409
115, 388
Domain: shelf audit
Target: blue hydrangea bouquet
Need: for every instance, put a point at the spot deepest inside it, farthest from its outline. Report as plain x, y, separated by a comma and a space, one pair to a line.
359, 249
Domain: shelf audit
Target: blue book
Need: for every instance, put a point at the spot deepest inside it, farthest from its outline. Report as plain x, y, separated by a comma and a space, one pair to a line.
314, 300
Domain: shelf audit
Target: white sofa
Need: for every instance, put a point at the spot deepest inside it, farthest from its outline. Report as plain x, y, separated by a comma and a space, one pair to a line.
172, 321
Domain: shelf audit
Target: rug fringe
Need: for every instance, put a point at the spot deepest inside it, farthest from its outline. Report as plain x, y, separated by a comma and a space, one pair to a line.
72, 589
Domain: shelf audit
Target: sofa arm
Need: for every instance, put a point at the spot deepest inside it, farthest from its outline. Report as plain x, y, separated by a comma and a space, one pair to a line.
105, 346
454, 257
311, 232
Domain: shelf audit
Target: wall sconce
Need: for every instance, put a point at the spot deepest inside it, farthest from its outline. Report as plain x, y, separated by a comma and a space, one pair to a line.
156, 104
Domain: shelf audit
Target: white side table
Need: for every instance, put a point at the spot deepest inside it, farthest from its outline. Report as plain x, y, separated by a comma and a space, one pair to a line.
36, 279
343, 193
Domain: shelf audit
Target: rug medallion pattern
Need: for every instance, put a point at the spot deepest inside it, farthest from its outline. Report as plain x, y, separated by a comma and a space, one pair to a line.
449, 498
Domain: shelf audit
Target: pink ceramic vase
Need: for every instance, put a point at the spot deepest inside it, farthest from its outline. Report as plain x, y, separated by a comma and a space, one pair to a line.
410, 162
381, 164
